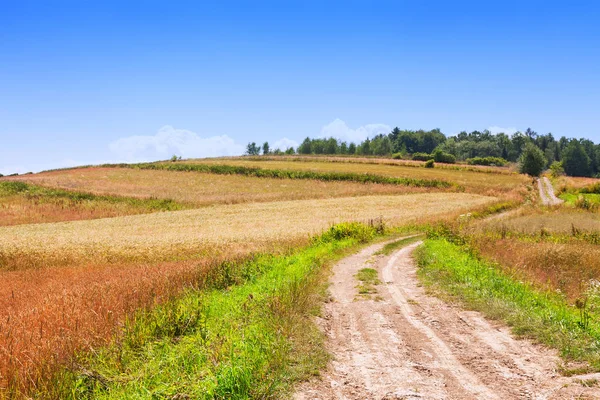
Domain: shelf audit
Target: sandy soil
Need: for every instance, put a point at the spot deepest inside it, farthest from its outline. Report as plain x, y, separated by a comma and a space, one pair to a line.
547, 192
402, 343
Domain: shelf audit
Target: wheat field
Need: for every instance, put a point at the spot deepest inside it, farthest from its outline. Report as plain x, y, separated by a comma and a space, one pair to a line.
201, 189
491, 184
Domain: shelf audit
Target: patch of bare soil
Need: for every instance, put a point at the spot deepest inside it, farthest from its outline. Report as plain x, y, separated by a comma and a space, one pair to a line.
401, 343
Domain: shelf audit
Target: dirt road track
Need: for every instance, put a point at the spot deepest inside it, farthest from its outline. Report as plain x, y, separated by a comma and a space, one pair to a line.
404, 344
547, 192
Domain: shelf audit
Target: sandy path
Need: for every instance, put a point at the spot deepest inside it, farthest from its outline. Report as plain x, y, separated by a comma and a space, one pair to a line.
404, 344
547, 192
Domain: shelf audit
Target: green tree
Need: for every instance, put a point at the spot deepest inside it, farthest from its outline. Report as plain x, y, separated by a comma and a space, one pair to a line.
532, 161
265, 148
576, 161
351, 148
305, 147
252, 149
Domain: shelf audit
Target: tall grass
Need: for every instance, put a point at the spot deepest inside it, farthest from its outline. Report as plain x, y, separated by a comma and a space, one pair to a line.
22, 203
543, 315
250, 336
288, 174
199, 190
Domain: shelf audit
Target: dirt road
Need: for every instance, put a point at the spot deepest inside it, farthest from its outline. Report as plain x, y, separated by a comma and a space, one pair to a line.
401, 343
547, 192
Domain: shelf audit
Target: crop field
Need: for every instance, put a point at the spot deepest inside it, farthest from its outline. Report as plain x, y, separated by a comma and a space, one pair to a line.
534, 221
381, 161
510, 185
198, 189
22, 203
67, 287
555, 248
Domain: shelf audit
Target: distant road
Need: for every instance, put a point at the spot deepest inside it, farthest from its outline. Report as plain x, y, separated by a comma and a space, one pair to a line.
547, 192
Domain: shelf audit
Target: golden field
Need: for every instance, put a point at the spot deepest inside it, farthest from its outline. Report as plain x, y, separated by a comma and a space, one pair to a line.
484, 183
67, 286
202, 189
169, 235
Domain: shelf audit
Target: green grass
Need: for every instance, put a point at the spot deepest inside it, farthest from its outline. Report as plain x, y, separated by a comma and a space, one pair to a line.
572, 198
252, 339
289, 174
544, 316
369, 279
42, 194
389, 248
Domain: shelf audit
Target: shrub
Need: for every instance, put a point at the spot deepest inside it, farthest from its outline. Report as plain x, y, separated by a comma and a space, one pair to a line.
489, 161
557, 169
352, 230
397, 156
442, 157
422, 156
429, 164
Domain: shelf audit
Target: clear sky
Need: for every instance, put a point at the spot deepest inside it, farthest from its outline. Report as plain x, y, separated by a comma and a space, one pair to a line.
88, 82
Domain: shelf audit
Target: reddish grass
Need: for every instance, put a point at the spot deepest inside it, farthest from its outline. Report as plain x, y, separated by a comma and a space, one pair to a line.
568, 267
47, 315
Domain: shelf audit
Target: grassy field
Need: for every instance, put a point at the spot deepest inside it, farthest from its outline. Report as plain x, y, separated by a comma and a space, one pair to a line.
506, 185
204, 189
213, 343
22, 203
122, 301
68, 286
380, 161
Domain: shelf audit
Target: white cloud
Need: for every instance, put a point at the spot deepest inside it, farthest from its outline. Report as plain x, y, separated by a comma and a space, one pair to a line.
169, 141
498, 129
284, 144
339, 130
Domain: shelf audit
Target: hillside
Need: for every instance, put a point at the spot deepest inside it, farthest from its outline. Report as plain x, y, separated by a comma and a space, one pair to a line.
110, 273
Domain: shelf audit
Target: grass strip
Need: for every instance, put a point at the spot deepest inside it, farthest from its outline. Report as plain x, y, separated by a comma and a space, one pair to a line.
541, 315
389, 248
247, 340
289, 174
43, 194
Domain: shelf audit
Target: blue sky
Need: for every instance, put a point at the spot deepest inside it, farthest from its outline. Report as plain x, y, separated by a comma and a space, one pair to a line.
87, 82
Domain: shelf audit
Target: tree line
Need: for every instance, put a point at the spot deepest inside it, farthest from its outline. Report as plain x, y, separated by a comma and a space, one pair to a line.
575, 157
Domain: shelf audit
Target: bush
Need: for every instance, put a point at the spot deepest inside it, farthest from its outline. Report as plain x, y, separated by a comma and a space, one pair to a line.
422, 156
489, 161
397, 156
442, 157
557, 169
353, 230
429, 164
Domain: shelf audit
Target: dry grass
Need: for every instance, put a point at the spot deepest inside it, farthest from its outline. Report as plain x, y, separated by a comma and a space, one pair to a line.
568, 267
18, 210
67, 286
552, 248
505, 185
175, 235
534, 221
386, 161
566, 183
199, 189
